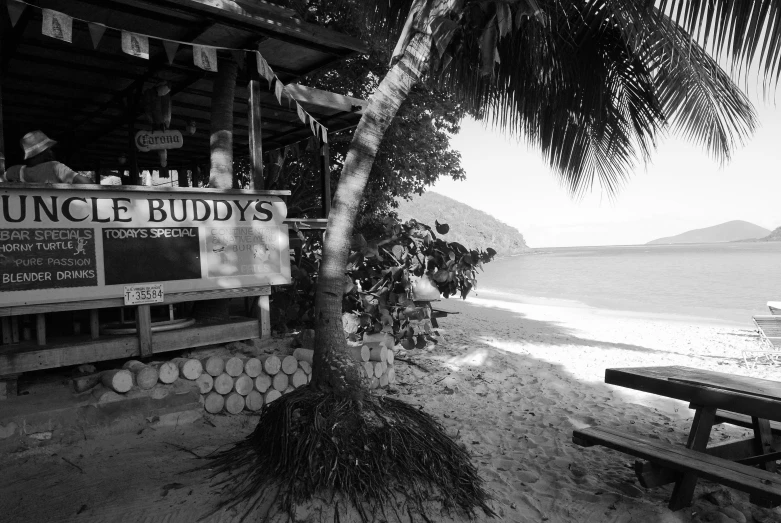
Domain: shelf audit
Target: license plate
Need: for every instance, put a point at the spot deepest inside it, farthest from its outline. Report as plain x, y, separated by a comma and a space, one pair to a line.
140, 294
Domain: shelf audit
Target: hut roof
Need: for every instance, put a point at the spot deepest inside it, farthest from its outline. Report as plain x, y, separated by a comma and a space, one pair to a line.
83, 97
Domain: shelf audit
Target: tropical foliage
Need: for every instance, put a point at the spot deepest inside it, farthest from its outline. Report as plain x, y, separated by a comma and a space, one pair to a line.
384, 278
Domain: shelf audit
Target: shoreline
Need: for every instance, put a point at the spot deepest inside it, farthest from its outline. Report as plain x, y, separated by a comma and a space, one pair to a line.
488, 296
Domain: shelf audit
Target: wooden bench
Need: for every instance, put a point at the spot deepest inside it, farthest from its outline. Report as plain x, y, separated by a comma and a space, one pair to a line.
755, 481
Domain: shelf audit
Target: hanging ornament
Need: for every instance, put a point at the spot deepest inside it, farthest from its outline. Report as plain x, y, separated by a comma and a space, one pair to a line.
205, 58
15, 10
96, 32
57, 25
135, 45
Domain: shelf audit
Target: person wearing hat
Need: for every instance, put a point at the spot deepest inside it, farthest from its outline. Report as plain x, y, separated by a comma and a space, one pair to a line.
41, 166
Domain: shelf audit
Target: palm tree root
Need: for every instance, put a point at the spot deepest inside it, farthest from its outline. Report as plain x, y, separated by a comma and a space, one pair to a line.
365, 451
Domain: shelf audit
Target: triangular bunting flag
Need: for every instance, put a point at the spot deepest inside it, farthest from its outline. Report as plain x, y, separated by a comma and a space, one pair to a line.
238, 57
324, 133
312, 124
263, 68
205, 58
135, 44
57, 25
170, 50
301, 113
96, 32
278, 91
15, 10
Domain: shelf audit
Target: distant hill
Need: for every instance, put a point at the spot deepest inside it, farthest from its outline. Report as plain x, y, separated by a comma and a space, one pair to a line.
735, 230
774, 236
468, 226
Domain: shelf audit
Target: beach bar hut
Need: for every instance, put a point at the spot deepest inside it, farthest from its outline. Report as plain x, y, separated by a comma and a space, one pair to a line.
126, 86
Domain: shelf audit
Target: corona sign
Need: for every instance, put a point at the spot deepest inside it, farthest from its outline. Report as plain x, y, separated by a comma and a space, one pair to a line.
156, 140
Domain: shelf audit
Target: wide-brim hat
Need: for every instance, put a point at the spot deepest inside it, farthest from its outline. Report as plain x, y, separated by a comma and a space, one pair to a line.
34, 143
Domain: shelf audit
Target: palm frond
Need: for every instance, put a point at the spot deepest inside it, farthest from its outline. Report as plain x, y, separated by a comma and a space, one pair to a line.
744, 31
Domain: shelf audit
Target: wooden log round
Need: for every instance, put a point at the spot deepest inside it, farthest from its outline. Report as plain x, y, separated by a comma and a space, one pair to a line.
374, 383
119, 380
189, 368
378, 369
223, 383
85, 383
305, 366
271, 395
254, 401
243, 384
205, 383
280, 381
384, 380
368, 369
145, 376
306, 355
289, 389
390, 356
214, 402
271, 364
234, 366
289, 365
391, 375
377, 351
298, 379
263, 382
234, 403
253, 367
359, 353
213, 365
168, 372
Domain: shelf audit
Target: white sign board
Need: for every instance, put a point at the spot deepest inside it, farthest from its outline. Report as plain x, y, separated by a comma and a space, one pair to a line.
156, 140
71, 244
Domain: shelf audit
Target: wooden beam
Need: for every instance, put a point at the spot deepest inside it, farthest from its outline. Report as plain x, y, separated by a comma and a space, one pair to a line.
270, 21
104, 303
325, 99
325, 177
255, 126
27, 357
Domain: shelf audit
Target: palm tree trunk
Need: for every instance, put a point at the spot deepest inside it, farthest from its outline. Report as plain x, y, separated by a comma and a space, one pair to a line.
221, 140
333, 368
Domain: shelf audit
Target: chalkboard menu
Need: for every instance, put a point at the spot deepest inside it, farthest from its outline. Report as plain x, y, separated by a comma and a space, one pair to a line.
145, 254
47, 258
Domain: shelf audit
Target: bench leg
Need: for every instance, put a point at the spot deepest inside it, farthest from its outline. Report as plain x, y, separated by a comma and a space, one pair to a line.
683, 492
763, 440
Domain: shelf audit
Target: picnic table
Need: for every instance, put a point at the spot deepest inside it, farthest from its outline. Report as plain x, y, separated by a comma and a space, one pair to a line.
748, 464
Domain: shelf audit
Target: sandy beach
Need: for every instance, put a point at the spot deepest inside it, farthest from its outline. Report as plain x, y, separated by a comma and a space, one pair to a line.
509, 380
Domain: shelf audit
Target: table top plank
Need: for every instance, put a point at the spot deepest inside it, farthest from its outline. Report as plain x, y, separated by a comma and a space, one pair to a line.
751, 396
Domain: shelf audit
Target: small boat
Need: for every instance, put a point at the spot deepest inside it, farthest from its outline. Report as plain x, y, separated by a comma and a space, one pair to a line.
775, 307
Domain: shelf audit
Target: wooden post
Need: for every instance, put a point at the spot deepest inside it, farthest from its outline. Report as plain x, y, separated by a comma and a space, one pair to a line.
132, 154
6, 323
2, 137
181, 174
325, 174
144, 328
264, 316
94, 324
40, 329
254, 123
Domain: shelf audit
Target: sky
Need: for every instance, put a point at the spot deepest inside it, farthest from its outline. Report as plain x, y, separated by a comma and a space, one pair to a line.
681, 189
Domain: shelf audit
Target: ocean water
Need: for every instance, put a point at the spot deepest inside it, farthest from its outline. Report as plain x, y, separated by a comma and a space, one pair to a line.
724, 283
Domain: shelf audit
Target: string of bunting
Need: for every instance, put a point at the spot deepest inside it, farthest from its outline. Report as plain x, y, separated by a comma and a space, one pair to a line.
60, 26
